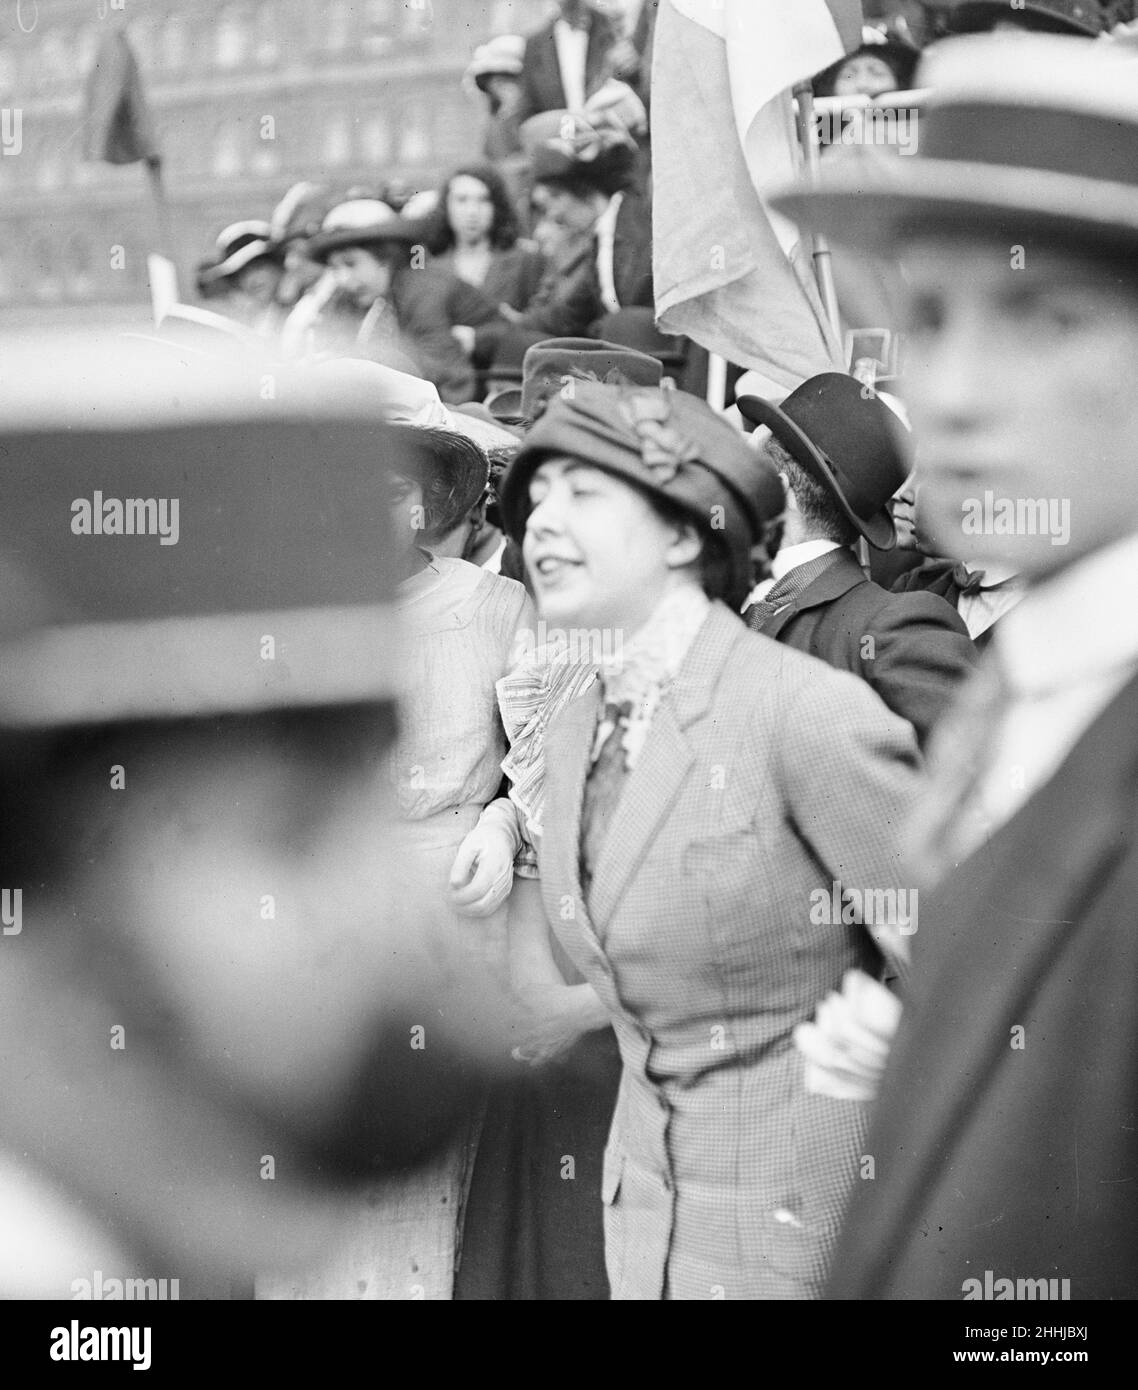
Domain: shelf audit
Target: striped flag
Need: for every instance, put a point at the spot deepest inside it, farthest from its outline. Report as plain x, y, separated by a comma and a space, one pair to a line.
729, 273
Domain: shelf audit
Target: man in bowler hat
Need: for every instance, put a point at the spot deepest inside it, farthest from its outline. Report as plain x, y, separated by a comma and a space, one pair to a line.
842, 454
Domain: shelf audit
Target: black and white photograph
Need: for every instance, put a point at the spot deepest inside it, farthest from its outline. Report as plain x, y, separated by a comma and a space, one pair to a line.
568, 670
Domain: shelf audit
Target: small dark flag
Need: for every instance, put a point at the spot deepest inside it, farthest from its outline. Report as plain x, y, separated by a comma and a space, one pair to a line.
118, 127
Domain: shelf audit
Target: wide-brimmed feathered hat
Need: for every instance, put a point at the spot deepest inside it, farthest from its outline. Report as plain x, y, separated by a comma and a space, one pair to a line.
1034, 133
365, 222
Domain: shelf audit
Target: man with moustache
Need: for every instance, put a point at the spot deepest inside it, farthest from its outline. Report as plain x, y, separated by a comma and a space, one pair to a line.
1005, 1139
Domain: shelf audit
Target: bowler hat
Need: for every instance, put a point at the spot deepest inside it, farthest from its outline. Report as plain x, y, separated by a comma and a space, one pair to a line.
1033, 132
549, 363
669, 445
847, 438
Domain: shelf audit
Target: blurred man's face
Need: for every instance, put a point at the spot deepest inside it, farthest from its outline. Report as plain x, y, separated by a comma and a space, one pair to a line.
1020, 387
865, 75
362, 276
564, 209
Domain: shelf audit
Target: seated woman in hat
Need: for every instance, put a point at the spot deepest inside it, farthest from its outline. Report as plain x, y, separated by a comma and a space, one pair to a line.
473, 234
244, 275
409, 307
699, 800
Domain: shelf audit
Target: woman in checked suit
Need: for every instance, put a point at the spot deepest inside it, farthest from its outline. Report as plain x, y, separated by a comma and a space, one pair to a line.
696, 797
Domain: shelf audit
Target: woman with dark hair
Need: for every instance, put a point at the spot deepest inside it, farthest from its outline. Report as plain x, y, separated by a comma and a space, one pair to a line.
474, 235
696, 800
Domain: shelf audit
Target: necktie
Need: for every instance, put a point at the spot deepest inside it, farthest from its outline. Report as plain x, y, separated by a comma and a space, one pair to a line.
786, 590
602, 791
946, 826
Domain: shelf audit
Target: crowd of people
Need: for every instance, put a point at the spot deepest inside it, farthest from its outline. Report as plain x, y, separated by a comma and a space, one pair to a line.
769, 773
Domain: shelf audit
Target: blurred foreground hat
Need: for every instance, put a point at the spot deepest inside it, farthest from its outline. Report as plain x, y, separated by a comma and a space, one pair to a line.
498, 57
669, 445
1047, 16
1032, 133
363, 222
197, 549
548, 364
847, 438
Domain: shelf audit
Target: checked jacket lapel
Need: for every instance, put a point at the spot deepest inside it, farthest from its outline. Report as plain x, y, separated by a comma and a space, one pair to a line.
654, 783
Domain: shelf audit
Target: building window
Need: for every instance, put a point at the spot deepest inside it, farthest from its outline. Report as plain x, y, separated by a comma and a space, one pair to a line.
232, 38
375, 139
337, 26
268, 48
337, 145
415, 136
77, 269
45, 282
227, 151
175, 47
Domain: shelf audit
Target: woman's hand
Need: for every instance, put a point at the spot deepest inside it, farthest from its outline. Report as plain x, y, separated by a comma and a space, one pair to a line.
847, 1045
556, 1016
483, 870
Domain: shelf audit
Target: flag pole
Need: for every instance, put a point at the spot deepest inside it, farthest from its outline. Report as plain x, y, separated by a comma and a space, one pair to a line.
823, 261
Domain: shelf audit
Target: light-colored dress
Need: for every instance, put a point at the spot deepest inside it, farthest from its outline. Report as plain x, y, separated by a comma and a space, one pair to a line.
459, 626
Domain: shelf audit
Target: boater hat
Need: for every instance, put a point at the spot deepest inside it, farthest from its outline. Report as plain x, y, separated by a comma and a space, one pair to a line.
1024, 132
1046, 16
196, 549
846, 437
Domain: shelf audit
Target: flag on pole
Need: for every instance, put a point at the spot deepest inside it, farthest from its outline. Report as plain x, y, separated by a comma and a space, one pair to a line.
729, 273
118, 126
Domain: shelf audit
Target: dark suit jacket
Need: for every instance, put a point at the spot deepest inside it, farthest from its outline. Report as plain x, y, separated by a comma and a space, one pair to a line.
564, 305
541, 73
920, 647
935, 576
632, 252
428, 302
1022, 1161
